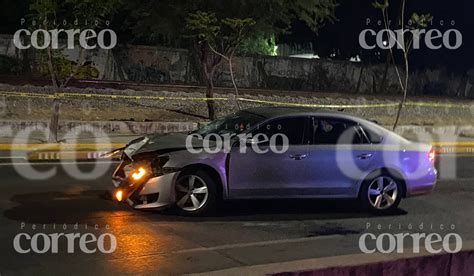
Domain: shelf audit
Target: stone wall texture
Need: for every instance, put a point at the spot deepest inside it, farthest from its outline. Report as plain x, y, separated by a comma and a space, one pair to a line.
148, 64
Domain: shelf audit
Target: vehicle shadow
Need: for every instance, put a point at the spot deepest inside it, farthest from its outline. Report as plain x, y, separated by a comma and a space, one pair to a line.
282, 209
62, 207
51, 207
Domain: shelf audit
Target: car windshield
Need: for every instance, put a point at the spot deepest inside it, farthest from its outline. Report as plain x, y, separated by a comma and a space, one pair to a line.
236, 123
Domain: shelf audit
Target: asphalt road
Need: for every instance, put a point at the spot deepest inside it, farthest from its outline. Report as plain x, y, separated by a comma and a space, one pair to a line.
242, 233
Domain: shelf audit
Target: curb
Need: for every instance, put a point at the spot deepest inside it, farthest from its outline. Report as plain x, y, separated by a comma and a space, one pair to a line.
61, 147
71, 155
99, 146
366, 264
43, 152
454, 150
454, 144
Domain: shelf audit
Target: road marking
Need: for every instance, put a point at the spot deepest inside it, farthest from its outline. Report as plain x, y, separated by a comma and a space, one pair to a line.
63, 146
451, 155
453, 143
252, 244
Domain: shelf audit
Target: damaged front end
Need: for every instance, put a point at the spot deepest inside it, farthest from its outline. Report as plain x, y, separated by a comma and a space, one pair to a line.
143, 180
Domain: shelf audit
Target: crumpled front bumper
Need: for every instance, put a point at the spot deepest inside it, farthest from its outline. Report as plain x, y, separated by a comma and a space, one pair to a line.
155, 193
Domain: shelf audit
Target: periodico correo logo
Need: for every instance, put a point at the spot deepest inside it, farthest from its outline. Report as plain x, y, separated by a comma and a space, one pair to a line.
432, 38
410, 238
88, 242
42, 39
89, 36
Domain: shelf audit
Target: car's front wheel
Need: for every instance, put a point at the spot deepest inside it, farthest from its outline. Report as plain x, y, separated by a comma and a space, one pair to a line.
196, 193
381, 194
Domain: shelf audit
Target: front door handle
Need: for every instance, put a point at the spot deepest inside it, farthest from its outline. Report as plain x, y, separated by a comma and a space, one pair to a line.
364, 156
298, 156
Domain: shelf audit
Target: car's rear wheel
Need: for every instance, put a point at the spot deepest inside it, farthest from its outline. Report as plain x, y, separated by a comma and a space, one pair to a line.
381, 194
196, 193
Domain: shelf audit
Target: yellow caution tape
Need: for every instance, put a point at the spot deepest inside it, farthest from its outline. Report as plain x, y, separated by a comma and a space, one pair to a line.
86, 95
26, 94
440, 105
161, 98
319, 105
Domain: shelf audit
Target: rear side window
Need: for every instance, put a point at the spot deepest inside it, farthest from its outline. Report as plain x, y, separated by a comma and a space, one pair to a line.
293, 128
374, 137
328, 131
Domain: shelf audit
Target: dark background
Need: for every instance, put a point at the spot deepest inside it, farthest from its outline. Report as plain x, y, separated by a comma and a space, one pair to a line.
340, 38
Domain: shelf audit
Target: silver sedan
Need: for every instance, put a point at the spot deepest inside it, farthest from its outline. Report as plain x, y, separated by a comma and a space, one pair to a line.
274, 152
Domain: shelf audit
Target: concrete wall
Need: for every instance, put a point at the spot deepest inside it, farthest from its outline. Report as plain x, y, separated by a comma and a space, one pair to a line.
7, 47
106, 127
154, 64
161, 65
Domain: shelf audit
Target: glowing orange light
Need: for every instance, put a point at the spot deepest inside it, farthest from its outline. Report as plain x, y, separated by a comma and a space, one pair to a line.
139, 174
118, 195
432, 155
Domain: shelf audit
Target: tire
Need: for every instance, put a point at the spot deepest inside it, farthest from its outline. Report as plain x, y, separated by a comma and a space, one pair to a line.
198, 200
381, 194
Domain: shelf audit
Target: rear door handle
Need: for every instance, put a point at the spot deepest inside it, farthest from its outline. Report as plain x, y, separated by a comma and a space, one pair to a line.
298, 156
364, 156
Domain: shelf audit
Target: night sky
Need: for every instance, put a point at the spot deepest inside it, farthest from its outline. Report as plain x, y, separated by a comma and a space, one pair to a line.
341, 37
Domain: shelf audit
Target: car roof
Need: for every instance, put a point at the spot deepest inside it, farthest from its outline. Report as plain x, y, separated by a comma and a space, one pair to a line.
271, 112
280, 111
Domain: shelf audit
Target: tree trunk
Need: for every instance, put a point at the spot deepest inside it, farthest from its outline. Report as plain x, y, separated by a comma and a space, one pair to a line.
231, 70
51, 68
405, 93
383, 83
210, 94
407, 71
209, 62
209, 70
360, 78
54, 122
196, 64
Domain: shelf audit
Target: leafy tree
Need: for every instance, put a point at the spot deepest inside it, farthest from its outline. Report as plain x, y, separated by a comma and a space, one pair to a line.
68, 14
166, 22
222, 38
258, 45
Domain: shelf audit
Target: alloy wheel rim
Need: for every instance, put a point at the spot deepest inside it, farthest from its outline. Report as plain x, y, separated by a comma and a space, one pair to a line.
383, 192
191, 193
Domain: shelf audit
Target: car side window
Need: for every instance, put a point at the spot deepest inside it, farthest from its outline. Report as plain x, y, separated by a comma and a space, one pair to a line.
294, 128
329, 131
374, 137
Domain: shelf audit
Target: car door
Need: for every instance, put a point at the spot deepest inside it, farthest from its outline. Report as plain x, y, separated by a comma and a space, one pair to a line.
340, 156
268, 171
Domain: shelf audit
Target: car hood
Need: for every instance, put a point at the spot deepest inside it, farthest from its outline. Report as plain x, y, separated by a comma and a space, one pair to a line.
162, 143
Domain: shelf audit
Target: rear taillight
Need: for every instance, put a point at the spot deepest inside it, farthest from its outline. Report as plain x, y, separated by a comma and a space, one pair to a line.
432, 154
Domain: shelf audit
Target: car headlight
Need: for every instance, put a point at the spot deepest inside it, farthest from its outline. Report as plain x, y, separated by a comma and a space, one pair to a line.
143, 170
139, 173
119, 195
